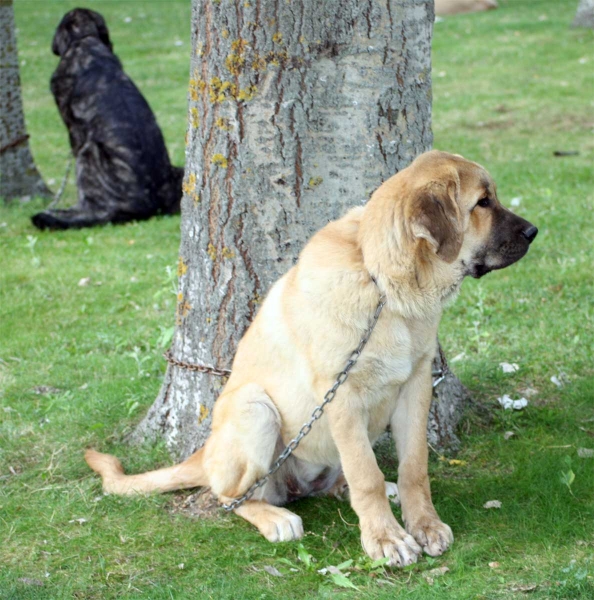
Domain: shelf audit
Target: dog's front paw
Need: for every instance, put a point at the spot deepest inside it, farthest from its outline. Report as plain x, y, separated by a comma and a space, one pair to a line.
434, 536
392, 542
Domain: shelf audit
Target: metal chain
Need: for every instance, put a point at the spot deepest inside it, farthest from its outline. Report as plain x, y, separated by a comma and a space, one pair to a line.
191, 367
16, 142
444, 371
60, 191
316, 414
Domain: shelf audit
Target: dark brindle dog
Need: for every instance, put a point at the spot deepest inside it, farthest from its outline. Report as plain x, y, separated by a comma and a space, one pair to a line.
123, 171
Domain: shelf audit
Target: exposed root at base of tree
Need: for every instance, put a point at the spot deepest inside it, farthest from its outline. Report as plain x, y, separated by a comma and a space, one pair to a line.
201, 505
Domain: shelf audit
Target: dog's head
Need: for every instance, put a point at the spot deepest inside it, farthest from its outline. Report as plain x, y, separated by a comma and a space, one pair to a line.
454, 211
77, 24
442, 214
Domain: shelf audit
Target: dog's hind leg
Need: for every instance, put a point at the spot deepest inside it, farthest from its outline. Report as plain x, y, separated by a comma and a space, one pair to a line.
242, 451
187, 474
276, 524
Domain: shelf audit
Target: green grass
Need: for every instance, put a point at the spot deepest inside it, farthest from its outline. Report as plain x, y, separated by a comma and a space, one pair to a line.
510, 88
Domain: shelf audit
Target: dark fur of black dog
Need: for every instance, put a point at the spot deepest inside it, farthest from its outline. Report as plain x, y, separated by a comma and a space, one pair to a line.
123, 171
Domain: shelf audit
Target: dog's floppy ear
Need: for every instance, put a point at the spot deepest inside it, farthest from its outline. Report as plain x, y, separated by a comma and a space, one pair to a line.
62, 38
101, 28
436, 218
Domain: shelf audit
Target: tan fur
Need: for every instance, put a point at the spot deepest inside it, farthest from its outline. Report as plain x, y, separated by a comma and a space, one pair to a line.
453, 7
418, 237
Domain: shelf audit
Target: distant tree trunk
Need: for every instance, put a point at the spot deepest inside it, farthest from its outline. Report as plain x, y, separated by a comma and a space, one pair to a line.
584, 16
298, 110
19, 176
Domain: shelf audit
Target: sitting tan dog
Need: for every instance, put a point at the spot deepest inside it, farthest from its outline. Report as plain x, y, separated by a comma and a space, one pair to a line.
420, 234
454, 7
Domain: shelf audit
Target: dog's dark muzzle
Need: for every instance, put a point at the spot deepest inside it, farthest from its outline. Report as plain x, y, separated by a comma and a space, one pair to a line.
510, 239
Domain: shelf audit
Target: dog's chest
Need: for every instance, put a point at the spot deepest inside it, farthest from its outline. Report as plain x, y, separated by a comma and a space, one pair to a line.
389, 358
386, 364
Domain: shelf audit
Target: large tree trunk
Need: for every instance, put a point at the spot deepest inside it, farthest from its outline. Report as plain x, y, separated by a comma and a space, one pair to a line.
298, 110
19, 177
584, 16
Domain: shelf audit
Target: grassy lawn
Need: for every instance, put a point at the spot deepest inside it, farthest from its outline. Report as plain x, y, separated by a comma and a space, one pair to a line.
511, 87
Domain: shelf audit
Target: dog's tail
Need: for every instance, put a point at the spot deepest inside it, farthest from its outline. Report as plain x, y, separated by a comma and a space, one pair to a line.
71, 218
187, 474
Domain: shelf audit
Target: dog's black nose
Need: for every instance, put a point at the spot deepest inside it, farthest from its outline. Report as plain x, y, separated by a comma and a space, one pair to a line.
530, 233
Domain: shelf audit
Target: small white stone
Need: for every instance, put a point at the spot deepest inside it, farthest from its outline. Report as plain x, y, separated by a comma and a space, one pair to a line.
508, 403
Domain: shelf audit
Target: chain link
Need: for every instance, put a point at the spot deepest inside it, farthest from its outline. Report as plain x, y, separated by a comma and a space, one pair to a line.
192, 367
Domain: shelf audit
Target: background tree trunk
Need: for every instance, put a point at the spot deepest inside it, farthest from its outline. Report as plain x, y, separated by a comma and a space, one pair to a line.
584, 16
297, 111
19, 176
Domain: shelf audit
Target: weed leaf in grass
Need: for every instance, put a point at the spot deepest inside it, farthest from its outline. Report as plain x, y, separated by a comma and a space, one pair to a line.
165, 337
380, 562
567, 478
342, 580
304, 556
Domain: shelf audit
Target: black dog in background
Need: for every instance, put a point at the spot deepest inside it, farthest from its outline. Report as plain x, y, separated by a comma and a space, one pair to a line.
123, 171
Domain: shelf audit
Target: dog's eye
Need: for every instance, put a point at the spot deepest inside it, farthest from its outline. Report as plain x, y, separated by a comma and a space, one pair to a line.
484, 202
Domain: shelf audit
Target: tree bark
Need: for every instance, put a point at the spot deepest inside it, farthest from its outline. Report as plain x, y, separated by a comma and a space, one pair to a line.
19, 177
584, 16
297, 111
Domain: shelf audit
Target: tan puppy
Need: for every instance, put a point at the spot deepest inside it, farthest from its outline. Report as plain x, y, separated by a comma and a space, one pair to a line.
454, 7
421, 233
